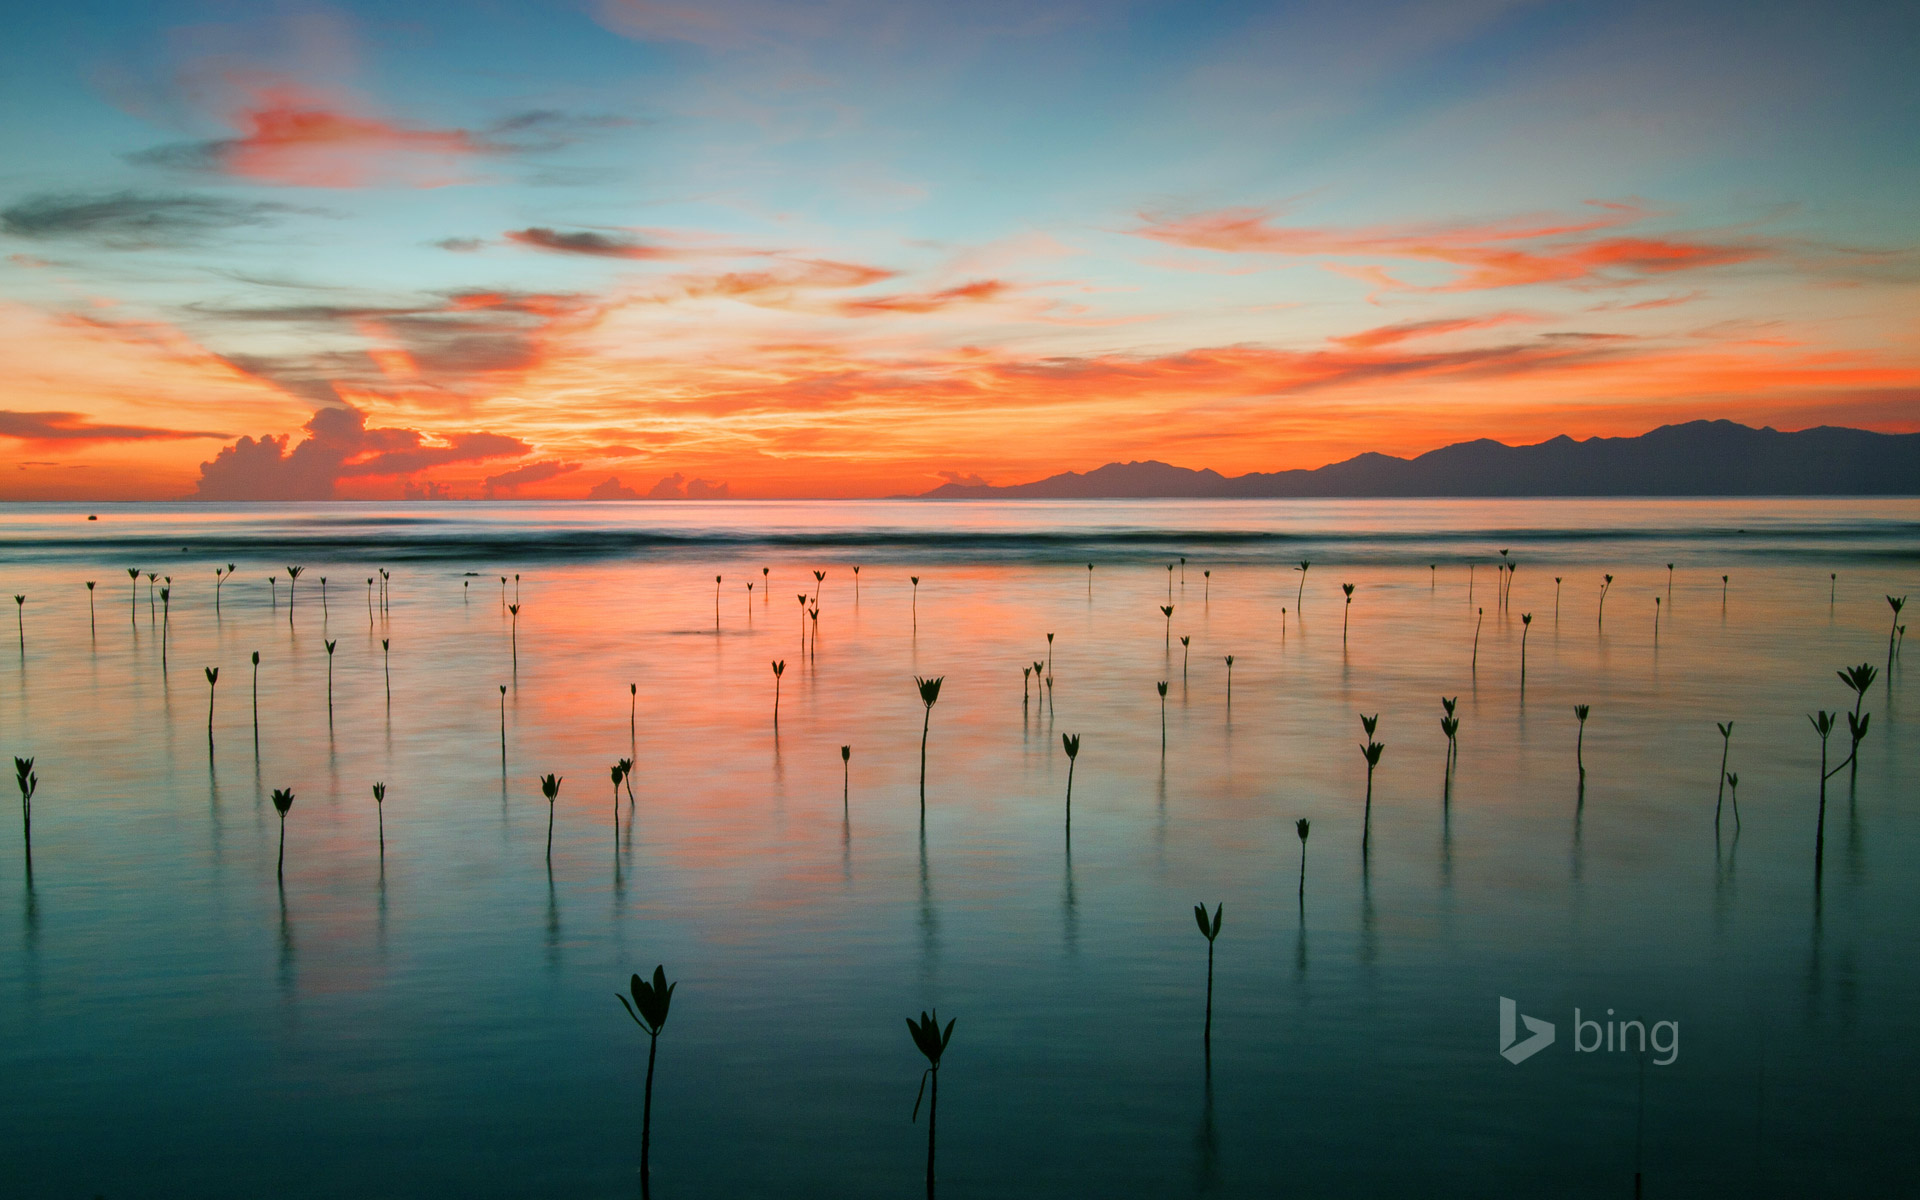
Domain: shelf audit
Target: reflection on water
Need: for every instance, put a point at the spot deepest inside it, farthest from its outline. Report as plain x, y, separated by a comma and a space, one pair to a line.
392, 1012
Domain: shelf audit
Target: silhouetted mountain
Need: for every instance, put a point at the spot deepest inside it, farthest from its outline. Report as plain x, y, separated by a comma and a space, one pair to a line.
1699, 458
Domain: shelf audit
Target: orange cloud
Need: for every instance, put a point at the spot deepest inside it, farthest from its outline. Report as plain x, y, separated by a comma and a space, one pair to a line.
596, 245
1387, 335
980, 291
1487, 254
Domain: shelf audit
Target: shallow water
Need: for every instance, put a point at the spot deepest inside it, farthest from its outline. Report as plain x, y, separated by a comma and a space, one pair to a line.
171, 1022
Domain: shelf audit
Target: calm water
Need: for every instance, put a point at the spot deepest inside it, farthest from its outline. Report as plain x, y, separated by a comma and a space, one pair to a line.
172, 1023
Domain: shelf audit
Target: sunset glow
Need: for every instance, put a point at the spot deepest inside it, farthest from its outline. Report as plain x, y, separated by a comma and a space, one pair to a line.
751, 249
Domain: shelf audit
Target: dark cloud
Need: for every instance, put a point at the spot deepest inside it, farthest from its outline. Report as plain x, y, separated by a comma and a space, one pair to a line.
133, 220
543, 130
678, 487
537, 472
611, 488
75, 427
460, 245
596, 245
338, 446
964, 480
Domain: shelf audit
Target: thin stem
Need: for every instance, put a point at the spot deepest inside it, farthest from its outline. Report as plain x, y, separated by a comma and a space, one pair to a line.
646, 1120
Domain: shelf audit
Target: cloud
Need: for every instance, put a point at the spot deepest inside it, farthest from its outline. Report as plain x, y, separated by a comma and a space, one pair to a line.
129, 220
597, 245
611, 488
76, 427
980, 291
460, 245
538, 472
1493, 254
338, 446
1388, 335
678, 487
964, 480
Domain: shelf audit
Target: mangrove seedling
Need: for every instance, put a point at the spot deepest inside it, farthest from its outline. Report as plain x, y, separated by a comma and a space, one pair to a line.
1301, 827
1478, 621
550, 788
514, 635
1162, 687
1656, 620
380, 807
1859, 679
1206, 586
1026, 677
323, 598
293, 581
213, 679
1896, 603
648, 1008
29, 782
1186, 648
1726, 747
1229, 681
779, 669
1070, 742
1601, 623
1579, 745
1301, 592
90, 625
1526, 626
1169, 581
256, 702
330, 646
1049, 654
1823, 723
1209, 930
386, 669
219, 579
282, 801
1733, 785
916, 600
20, 618
1371, 750
932, 1042
133, 595
1669, 581
929, 693
1166, 610
1556, 602
626, 777
846, 776
1346, 611
503, 731
633, 703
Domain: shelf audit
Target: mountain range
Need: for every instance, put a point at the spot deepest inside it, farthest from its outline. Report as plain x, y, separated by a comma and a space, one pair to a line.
1698, 458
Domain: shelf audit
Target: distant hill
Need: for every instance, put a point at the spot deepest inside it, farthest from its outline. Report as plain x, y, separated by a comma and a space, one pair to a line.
1699, 458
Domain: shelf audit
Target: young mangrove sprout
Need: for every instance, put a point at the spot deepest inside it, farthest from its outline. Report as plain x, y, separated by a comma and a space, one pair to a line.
1070, 742
20, 619
1049, 654
282, 801
1346, 612
929, 693
91, 628
256, 702
293, 581
29, 782
1726, 747
1300, 593
1858, 679
386, 668
1656, 620
1733, 785
633, 703
626, 777
856, 583
213, 679
1209, 930
1301, 826
1166, 610
380, 808
1823, 723
1169, 581
550, 788
1896, 603
1186, 648
1026, 676
1723, 595
916, 602
1450, 725
846, 776
1556, 602
1206, 586
779, 669
219, 579
1371, 751
932, 1042
330, 646
1526, 626
1669, 581
1478, 621
1162, 687
648, 1009
323, 599
716, 603
1580, 711
1606, 583
618, 773
1229, 681
514, 635
133, 596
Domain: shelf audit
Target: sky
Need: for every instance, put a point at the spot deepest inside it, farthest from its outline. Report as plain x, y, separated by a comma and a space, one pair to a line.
615, 248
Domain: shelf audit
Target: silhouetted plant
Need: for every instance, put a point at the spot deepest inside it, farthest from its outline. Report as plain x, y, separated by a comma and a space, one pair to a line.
514, 635
330, 646
20, 619
929, 693
1300, 593
1026, 676
1186, 648
1169, 581
133, 595
648, 1009
856, 583
503, 597
293, 581
503, 731
1371, 751
256, 702
282, 802
1229, 681
380, 808
1049, 654
1302, 826
1556, 602
29, 782
1669, 581
916, 600
1162, 686
626, 777
633, 703
1858, 679
323, 598
213, 680
1726, 748
1450, 725
1478, 621
550, 788
1656, 620
1733, 784
91, 627
1823, 723
846, 776
1166, 610
1070, 742
1211, 931
932, 1042
1723, 595
386, 668
1580, 711
1206, 586
779, 669
1896, 603
1606, 584
1526, 626
1346, 611
766, 585
716, 602
218, 580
